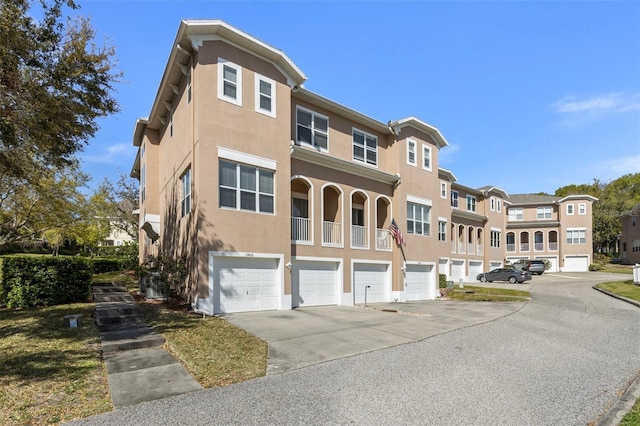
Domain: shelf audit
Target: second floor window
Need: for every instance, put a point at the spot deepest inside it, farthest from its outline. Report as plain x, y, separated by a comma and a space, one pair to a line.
365, 147
442, 231
576, 236
244, 187
411, 152
471, 203
229, 81
516, 214
454, 199
312, 128
495, 239
544, 213
426, 157
185, 181
265, 96
418, 219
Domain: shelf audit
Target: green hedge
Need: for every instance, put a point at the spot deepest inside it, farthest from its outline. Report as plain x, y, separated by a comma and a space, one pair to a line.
44, 281
442, 280
103, 264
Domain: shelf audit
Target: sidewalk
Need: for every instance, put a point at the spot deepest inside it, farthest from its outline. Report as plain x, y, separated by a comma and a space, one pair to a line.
138, 369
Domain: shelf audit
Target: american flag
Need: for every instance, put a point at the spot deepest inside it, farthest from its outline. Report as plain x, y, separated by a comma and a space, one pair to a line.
397, 233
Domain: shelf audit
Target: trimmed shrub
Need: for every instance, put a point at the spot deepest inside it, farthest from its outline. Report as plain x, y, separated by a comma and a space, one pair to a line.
104, 264
442, 280
44, 281
595, 267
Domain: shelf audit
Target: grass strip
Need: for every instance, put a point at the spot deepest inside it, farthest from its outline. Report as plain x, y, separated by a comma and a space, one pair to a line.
622, 288
486, 294
50, 373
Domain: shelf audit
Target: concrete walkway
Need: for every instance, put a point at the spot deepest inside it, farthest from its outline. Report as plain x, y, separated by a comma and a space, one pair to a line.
138, 369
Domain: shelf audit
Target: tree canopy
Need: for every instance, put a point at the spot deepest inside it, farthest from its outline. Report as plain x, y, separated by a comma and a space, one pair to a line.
614, 198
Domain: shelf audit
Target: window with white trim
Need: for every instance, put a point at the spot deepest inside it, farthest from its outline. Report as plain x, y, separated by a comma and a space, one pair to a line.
265, 91
442, 231
471, 203
185, 183
426, 157
569, 209
582, 209
543, 213
454, 199
495, 237
229, 82
365, 147
499, 206
516, 213
312, 129
443, 190
576, 236
418, 219
244, 187
411, 152
492, 204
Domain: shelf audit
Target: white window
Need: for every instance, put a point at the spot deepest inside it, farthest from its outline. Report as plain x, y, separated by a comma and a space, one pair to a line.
544, 213
516, 213
185, 180
365, 147
443, 190
265, 95
312, 129
171, 124
442, 231
576, 236
229, 82
582, 208
426, 157
471, 203
418, 219
244, 187
189, 86
454, 199
495, 239
411, 152
569, 209
499, 203
492, 204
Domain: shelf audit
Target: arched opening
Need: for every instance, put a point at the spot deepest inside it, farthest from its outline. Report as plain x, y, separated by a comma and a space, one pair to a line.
538, 241
461, 239
524, 241
383, 220
470, 243
331, 216
359, 214
479, 242
511, 242
301, 230
553, 240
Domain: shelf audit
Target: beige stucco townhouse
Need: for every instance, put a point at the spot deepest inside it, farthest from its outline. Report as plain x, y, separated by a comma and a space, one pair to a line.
281, 198
630, 236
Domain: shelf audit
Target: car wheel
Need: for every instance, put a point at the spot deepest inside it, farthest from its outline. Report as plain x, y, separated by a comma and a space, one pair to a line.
483, 279
512, 280
490, 281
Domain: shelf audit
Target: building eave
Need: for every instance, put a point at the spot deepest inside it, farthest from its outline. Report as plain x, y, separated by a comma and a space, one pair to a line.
416, 123
533, 224
468, 215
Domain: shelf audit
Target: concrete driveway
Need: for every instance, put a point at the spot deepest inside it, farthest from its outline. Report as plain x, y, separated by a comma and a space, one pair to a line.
307, 336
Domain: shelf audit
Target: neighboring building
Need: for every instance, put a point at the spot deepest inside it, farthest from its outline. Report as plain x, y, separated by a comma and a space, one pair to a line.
630, 236
117, 235
557, 229
281, 198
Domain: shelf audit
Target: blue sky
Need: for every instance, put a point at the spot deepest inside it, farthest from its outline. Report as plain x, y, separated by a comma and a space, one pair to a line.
531, 96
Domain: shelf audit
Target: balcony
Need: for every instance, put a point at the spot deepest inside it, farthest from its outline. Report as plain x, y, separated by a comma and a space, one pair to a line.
479, 250
553, 246
524, 246
359, 236
332, 234
538, 246
470, 248
383, 240
511, 248
300, 229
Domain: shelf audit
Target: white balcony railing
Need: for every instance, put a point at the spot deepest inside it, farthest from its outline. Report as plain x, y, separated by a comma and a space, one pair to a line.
511, 248
300, 229
383, 239
538, 246
479, 250
553, 246
332, 234
524, 246
453, 246
359, 236
470, 248
461, 247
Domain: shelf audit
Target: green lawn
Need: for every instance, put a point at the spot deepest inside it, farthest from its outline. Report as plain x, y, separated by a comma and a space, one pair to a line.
485, 294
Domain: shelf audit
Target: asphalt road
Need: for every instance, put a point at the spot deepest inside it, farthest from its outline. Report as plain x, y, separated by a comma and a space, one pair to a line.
563, 359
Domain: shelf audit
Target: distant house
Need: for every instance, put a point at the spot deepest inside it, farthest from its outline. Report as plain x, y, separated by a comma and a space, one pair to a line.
556, 229
630, 236
280, 198
117, 235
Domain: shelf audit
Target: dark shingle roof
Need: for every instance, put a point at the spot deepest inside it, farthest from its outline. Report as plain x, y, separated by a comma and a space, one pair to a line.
532, 199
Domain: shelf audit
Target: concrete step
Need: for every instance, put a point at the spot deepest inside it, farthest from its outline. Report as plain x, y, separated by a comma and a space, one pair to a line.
109, 289
112, 297
104, 310
137, 337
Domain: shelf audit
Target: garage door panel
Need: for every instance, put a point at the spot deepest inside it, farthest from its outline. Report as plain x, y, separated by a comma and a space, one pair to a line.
419, 283
576, 264
246, 284
374, 276
316, 283
475, 268
457, 270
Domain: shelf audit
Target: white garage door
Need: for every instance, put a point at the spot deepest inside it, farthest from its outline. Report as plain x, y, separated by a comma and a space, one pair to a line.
475, 268
576, 264
457, 270
316, 283
420, 283
493, 265
375, 277
245, 284
553, 261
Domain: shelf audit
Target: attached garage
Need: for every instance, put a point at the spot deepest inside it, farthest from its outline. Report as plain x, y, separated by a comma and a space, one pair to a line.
475, 268
420, 282
374, 278
578, 263
243, 284
553, 260
315, 283
457, 270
